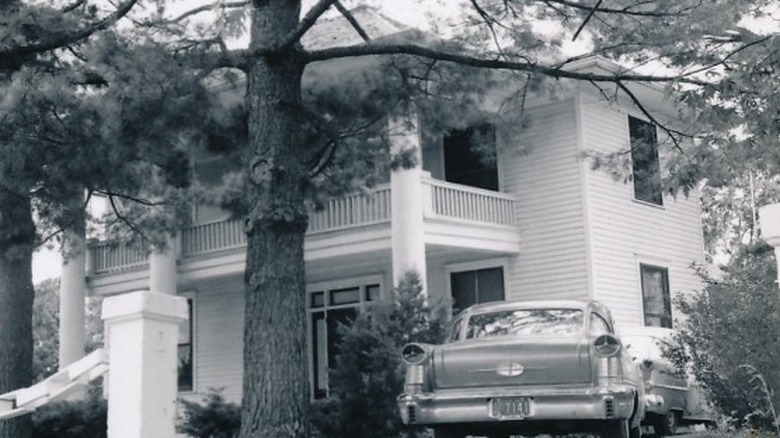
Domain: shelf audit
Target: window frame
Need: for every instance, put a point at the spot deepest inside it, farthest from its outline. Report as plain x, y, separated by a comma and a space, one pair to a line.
667, 318
502, 263
363, 283
190, 297
654, 178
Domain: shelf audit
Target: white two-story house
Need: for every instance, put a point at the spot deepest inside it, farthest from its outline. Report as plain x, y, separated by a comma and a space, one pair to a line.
535, 223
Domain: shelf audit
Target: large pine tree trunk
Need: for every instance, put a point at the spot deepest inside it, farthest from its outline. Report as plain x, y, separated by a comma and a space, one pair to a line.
17, 235
276, 389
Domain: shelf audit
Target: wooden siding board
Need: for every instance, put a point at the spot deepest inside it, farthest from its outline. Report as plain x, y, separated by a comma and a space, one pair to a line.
546, 179
219, 338
625, 233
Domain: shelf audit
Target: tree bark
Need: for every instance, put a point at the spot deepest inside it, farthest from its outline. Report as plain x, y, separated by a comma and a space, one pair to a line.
276, 388
17, 237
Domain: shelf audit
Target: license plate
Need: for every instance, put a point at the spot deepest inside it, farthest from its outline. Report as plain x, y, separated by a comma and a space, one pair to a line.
510, 407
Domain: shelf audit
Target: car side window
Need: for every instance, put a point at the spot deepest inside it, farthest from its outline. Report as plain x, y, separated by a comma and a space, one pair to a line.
455, 330
598, 326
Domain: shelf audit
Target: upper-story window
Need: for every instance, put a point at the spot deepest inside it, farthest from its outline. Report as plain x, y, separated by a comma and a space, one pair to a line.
646, 166
470, 157
656, 297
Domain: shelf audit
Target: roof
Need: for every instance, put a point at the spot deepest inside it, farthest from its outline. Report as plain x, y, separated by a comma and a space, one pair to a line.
337, 31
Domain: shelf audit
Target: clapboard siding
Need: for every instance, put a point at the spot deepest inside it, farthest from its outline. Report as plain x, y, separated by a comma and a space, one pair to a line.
624, 232
547, 181
219, 338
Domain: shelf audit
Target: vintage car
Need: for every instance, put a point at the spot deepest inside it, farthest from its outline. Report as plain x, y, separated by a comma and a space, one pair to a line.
672, 396
525, 368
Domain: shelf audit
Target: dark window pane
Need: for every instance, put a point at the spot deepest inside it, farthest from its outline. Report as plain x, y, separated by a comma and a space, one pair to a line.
336, 320
645, 163
372, 292
490, 285
185, 368
470, 157
319, 354
656, 296
464, 289
345, 296
317, 299
185, 359
479, 286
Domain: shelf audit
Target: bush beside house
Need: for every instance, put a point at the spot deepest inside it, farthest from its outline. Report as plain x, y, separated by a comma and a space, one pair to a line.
730, 330
369, 372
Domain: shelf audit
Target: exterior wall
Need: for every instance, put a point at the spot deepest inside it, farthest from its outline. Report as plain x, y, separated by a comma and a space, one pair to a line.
543, 169
625, 232
218, 335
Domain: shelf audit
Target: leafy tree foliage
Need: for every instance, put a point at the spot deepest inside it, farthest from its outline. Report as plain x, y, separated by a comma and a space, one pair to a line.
45, 323
59, 137
730, 331
369, 372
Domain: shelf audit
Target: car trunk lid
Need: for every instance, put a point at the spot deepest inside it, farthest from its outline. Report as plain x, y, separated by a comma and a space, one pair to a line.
513, 361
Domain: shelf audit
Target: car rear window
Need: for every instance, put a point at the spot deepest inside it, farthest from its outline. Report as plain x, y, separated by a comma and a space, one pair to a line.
525, 322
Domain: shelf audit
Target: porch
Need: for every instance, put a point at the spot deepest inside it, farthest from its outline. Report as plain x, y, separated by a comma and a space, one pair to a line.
456, 218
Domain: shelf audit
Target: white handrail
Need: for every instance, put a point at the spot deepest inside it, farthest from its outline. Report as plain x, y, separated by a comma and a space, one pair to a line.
56, 387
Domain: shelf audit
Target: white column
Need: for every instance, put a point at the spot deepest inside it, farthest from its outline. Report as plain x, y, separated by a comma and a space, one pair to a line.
407, 207
143, 330
162, 268
770, 229
73, 287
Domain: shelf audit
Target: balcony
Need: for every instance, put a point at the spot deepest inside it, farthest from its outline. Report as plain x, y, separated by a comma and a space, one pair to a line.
469, 211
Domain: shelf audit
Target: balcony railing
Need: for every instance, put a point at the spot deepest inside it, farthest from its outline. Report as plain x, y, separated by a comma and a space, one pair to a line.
442, 200
211, 237
117, 257
350, 211
470, 204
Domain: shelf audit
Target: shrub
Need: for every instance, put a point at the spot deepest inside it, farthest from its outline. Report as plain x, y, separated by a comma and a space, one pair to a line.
730, 336
215, 418
73, 419
369, 372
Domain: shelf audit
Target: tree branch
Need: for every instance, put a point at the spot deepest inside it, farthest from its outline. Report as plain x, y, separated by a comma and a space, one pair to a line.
73, 6
63, 39
305, 24
467, 59
585, 21
205, 8
125, 220
623, 11
352, 21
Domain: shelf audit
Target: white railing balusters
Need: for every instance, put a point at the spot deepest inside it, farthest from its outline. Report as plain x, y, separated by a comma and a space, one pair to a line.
444, 200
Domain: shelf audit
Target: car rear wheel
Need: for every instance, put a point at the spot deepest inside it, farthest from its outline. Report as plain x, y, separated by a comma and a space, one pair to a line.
665, 425
447, 432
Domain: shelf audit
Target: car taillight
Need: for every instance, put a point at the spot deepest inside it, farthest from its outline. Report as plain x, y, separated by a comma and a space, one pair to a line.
606, 349
606, 346
414, 354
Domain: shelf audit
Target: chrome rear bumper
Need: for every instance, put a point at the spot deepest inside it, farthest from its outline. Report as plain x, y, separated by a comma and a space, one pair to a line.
473, 405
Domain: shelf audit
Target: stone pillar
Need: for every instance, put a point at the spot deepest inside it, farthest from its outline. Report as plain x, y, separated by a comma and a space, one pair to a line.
142, 330
162, 268
408, 244
770, 229
73, 287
